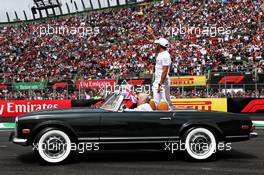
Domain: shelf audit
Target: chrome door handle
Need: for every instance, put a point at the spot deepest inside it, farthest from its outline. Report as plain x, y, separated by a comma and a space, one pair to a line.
165, 118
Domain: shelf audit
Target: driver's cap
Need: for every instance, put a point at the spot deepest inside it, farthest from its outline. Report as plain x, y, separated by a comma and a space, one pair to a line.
163, 42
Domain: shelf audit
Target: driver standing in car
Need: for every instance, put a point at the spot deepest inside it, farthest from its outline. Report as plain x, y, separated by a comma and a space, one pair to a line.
161, 84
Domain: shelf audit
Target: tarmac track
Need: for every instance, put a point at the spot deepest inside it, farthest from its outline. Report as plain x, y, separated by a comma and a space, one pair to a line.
244, 158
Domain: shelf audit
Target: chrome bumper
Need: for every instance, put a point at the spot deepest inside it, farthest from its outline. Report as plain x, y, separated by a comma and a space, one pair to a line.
18, 141
253, 134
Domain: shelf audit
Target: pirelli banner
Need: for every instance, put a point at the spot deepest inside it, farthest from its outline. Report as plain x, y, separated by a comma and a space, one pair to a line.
209, 104
234, 105
188, 81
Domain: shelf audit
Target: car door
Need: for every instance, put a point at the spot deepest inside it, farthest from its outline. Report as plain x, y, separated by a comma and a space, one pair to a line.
86, 125
138, 126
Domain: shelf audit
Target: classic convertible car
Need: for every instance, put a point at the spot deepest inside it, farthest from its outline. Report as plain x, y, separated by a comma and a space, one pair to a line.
110, 125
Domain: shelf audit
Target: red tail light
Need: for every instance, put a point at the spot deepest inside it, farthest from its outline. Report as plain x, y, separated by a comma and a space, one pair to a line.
26, 131
245, 127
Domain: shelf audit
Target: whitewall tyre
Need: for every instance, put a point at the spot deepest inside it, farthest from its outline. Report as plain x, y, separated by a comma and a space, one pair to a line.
54, 146
200, 143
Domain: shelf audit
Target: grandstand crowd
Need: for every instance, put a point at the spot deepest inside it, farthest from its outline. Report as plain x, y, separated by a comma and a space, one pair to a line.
122, 45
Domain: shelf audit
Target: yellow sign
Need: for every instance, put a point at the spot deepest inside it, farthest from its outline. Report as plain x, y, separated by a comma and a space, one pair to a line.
209, 104
188, 81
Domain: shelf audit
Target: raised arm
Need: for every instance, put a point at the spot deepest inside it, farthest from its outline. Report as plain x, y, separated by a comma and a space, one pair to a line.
151, 33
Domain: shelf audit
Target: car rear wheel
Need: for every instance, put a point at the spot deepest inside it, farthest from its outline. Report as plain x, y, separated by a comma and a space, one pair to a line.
53, 146
200, 143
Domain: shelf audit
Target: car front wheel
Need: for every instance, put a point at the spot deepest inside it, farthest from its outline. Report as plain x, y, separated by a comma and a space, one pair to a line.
200, 143
53, 146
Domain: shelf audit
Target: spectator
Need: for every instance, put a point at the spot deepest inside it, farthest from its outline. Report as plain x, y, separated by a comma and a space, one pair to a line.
116, 45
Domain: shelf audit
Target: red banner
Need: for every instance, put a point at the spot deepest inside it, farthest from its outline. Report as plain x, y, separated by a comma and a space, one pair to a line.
97, 84
59, 85
136, 82
13, 108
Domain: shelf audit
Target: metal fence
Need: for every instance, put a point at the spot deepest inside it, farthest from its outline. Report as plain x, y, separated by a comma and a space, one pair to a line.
71, 92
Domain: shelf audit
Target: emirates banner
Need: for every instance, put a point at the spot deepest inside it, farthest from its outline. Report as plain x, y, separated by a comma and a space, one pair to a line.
13, 108
97, 84
188, 81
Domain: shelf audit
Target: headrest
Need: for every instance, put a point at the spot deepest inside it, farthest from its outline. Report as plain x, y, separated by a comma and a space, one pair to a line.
152, 104
163, 106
